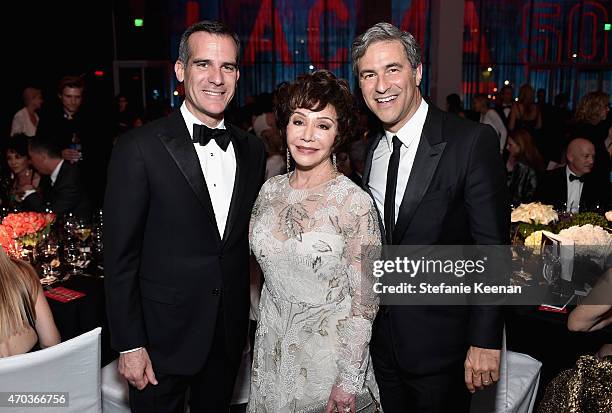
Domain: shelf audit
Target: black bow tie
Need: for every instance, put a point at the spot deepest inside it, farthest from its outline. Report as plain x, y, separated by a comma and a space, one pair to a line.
203, 134
573, 177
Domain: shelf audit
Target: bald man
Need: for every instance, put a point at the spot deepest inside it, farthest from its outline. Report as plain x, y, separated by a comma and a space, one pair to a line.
573, 187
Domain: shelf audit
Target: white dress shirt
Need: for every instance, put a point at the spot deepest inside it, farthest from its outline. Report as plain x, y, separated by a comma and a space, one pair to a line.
491, 117
219, 168
55, 172
574, 191
410, 136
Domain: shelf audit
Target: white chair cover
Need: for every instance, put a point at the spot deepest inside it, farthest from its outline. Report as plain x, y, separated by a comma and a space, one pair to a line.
72, 367
114, 390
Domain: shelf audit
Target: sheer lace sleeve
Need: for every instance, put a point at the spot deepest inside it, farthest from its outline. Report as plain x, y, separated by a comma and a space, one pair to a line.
360, 227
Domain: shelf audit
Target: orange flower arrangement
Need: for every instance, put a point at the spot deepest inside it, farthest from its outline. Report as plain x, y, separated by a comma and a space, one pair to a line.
28, 227
7, 242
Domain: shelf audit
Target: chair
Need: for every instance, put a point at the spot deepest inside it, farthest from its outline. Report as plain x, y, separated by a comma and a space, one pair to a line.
516, 390
71, 367
114, 390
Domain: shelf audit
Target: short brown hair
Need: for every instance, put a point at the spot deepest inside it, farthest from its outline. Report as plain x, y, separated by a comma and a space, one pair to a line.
73, 82
314, 92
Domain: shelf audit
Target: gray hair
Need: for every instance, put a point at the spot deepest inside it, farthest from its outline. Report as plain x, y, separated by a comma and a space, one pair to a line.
382, 32
211, 27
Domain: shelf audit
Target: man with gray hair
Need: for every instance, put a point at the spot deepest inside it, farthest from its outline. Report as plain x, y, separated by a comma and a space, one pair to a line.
435, 179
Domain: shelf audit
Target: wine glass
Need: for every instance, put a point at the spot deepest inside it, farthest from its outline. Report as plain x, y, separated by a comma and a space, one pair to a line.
72, 256
524, 252
48, 252
81, 230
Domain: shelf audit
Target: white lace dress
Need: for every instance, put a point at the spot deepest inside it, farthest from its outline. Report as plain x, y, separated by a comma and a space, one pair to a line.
317, 308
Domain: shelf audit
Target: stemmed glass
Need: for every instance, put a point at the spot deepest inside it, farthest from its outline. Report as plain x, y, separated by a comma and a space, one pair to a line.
524, 252
49, 253
72, 256
81, 230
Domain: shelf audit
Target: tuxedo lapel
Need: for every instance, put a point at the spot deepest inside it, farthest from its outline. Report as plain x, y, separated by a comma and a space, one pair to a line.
178, 143
240, 144
368, 161
426, 160
366, 175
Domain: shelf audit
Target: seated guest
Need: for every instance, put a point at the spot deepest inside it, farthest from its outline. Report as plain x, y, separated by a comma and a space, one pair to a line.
574, 188
21, 179
524, 162
25, 317
62, 187
586, 387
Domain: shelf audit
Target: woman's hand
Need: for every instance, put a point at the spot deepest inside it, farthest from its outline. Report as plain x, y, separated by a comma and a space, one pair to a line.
340, 401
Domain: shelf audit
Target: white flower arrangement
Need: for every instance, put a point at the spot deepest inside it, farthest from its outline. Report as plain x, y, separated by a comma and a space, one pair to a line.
590, 240
534, 213
534, 240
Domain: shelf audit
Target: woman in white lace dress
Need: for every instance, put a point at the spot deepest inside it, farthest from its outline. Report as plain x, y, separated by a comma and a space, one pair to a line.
307, 232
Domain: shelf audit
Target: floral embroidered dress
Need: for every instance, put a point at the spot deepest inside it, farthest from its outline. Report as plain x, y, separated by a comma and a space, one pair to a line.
316, 308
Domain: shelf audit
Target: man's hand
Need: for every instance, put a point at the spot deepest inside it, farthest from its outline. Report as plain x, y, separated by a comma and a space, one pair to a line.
71, 155
481, 368
137, 369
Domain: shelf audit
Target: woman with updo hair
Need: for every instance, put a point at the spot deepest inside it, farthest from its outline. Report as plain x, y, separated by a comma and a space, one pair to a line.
307, 231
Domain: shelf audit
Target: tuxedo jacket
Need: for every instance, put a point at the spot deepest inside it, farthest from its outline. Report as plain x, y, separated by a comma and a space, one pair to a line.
67, 195
552, 190
168, 271
456, 195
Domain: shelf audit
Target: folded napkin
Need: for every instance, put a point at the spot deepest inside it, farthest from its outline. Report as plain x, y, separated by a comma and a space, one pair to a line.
63, 294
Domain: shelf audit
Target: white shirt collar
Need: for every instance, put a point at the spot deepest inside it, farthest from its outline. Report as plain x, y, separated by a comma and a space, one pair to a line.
55, 172
412, 129
569, 172
190, 120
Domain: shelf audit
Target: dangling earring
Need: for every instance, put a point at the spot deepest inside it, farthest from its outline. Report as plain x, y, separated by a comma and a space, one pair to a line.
288, 160
334, 162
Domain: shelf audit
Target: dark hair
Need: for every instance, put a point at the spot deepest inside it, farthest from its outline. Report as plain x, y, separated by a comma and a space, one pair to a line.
211, 27
18, 144
75, 82
454, 103
44, 145
314, 92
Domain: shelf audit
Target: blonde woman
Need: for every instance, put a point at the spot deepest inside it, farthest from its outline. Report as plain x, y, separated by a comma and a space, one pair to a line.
25, 316
525, 113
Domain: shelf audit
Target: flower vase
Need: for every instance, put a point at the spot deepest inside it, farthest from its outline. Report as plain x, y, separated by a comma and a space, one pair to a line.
28, 253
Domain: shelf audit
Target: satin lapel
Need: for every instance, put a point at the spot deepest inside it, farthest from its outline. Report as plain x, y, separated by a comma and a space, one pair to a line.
241, 150
366, 176
425, 163
178, 143
368, 161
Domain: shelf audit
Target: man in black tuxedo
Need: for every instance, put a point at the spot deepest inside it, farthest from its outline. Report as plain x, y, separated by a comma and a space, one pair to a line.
574, 188
61, 188
503, 105
435, 179
82, 136
177, 209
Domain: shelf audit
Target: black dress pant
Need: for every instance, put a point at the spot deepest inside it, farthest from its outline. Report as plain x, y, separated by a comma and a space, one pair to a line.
400, 391
210, 388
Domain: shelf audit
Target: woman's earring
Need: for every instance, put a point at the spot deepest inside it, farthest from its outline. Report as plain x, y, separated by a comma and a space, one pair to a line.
334, 162
288, 160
